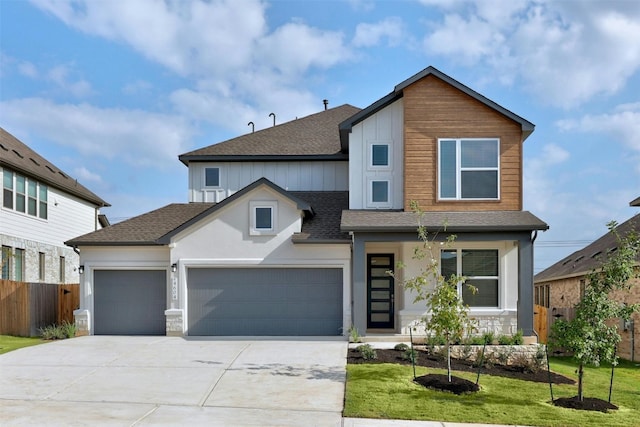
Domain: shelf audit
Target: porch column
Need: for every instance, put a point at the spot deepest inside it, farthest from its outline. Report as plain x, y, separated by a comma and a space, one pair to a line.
525, 285
359, 281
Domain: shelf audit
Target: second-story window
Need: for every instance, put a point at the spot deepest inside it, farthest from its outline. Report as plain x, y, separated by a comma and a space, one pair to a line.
23, 194
379, 155
469, 169
212, 177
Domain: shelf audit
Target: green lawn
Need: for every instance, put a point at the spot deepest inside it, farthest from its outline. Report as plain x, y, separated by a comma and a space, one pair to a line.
388, 391
9, 343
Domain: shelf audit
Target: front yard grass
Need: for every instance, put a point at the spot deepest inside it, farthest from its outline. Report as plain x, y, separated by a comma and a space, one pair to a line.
388, 391
9, 343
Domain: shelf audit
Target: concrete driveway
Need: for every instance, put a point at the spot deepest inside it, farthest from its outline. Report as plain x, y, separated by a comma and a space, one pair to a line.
141, 381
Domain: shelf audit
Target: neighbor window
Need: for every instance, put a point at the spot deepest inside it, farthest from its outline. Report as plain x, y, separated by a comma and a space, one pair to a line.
480, 267
6, 262
469, 169
24, 194
380, 191
379, 155
212, 177
41, 266
263, 217
61, 278
18, 265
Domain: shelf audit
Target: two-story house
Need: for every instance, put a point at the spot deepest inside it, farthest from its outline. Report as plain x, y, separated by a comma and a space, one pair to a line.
290, 230
40, 208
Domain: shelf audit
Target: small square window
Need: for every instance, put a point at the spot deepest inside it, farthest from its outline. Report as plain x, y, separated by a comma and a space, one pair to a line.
264, 220
212, 177
380, 155
380, 191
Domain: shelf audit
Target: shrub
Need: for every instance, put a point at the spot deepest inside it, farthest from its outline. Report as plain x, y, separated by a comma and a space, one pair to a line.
367, 352
505, 340
354, 336
58, 332
488, 337
401, 347
518, 338
411, 355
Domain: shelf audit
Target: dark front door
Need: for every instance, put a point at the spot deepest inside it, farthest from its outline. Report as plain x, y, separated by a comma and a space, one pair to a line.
379, 291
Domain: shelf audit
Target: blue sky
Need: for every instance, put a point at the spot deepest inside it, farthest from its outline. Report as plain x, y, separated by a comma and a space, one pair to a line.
113, 91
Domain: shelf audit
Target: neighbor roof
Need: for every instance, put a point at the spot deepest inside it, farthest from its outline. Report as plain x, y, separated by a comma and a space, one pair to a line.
400, 221
17, 156
322, 220
635, 202
398, 92
308, 138
586, 259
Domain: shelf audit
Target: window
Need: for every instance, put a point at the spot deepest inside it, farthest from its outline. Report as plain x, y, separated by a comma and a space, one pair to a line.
583, 288
469, 169
212, 177
7, 189
379, 155
6, 262
62, 270
24, 195
41, 266
380, 191
263, 217
18, 265
480, 267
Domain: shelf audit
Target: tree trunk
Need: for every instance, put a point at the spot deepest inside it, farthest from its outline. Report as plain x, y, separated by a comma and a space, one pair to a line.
448, 361
580, 374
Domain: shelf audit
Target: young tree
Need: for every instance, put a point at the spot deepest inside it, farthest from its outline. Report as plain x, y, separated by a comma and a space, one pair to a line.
449, 316
590, 336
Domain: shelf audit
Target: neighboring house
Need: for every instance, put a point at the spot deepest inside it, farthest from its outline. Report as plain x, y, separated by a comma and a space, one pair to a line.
562, 285
290, 230
41, 208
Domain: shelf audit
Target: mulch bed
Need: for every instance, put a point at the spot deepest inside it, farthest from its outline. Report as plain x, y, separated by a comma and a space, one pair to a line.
441, 382
587, 404
430, 361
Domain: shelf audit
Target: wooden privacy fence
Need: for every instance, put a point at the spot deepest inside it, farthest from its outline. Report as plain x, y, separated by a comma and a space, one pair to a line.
540, 323
27, 307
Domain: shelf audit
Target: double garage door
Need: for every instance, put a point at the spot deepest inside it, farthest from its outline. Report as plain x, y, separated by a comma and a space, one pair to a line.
264, 301
222, 301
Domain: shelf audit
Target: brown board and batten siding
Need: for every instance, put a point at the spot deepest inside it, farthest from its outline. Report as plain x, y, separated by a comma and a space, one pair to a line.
433, 109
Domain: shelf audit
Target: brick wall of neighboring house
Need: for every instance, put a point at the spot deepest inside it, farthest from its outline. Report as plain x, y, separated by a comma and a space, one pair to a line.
433, 109
565, 293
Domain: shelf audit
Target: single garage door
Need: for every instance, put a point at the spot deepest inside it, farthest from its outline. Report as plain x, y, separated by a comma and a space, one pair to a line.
265, 301
129, 302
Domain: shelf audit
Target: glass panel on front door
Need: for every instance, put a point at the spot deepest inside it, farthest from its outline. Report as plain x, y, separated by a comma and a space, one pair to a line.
380, 286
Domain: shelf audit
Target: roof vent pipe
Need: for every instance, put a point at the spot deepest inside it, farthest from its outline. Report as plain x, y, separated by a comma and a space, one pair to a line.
325, 102
274, 118
253, 126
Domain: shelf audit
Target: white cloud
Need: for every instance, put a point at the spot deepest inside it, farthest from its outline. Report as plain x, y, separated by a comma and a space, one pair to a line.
28, 69
85, 175
61, 76
137, 87
368, 35
136, 137
565, 53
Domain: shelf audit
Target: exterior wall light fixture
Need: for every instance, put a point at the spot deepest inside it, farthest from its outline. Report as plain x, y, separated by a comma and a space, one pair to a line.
174, 268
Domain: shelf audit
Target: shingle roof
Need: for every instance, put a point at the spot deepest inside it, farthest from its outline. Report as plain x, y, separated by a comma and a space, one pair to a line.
635, 202
145, 229
397, 93
311, 136
325, 224
158, 226
586, 259
16, 155
400, 221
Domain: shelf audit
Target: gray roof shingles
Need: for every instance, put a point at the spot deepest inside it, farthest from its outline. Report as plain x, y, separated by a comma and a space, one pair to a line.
400, 221
313, 135
586, 259
17, 156
151, 228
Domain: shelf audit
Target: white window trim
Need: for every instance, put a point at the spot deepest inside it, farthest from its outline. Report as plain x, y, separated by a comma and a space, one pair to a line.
459, 273
253, 205
204, 177
370, 165
459, 169
14, 193
370, 202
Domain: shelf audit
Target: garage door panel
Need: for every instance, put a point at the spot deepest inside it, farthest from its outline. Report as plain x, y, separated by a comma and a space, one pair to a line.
129, 302
264, 301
